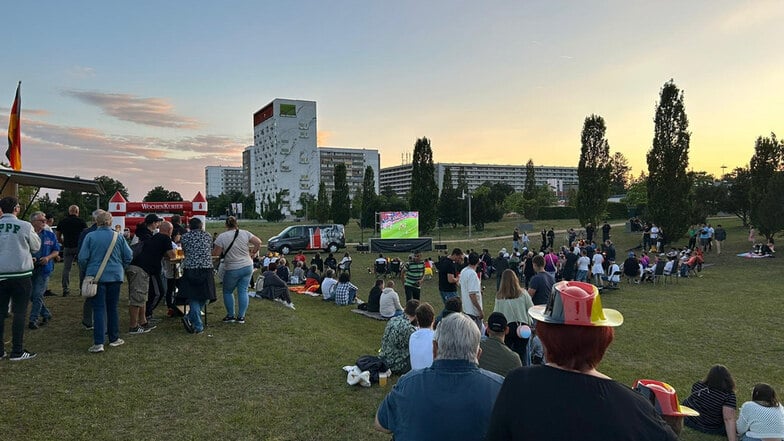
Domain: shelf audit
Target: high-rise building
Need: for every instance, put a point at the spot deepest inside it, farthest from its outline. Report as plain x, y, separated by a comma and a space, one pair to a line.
560, 179
219, 179
356, 161
283, 158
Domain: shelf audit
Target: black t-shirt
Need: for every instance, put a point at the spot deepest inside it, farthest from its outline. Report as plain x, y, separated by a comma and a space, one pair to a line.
562, 405
143, 233
70, 227
570, 264
154, 249
542, 283
374, 299
446, 266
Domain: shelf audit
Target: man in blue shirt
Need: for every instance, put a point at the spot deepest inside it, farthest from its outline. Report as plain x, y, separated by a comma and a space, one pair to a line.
43, 260
452, 399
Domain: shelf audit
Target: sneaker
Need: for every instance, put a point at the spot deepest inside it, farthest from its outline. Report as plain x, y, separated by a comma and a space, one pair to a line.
199, 332
137, 330
25, 355
147, 327
290, 305
188, 325
95, 348
33, 325
66, 291
118, 342
229, 319
87, 327
279, 300
241, 320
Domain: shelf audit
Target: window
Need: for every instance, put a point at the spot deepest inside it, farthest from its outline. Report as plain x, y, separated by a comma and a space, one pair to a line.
288, 110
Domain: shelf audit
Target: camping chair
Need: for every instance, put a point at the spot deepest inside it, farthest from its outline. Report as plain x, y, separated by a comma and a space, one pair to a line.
394, 268
380, 268
673, 274
658, 272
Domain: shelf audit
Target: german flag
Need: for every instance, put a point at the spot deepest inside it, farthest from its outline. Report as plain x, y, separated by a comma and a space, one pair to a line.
14, 152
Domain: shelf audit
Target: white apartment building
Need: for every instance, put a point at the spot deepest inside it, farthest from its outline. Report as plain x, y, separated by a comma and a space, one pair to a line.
283, 156
220, 179
356, 160
560, 179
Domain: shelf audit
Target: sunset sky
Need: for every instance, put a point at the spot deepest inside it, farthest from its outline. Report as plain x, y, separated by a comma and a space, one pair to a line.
150, 92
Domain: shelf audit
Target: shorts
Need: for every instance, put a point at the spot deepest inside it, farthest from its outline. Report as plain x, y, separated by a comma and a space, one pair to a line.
138, 286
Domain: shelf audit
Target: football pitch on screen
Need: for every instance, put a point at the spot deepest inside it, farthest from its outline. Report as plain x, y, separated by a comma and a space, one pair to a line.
407, 228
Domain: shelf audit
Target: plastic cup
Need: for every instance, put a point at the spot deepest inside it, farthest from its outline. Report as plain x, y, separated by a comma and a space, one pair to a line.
382, 379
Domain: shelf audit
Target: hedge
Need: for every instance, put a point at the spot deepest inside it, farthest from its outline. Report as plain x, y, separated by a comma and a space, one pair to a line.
615, 210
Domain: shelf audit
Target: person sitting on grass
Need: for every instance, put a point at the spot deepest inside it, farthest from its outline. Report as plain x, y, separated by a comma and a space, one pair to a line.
298, 274
282, 269
763, 417
664, 399
345, 291
714, 398
374, 297
631, 268
394, 343
389, 302
328, 284
276, 288
420, 344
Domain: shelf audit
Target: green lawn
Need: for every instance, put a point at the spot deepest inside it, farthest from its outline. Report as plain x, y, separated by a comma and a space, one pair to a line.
279, 376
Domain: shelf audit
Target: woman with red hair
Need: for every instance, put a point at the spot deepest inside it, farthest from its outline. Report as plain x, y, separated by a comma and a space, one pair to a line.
568, 398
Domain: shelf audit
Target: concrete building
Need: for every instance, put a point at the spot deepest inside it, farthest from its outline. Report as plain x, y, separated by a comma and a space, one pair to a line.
283, 157
560, 179
219, 179
356, 161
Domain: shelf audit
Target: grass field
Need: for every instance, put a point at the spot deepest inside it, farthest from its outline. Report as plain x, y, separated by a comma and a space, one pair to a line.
279, 377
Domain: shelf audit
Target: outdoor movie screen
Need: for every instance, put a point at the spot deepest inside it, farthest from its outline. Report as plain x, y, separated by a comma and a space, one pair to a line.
399, 224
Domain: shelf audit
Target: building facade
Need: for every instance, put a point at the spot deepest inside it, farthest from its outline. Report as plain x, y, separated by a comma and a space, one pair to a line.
220, 179
283, 158
356, 161
560, 179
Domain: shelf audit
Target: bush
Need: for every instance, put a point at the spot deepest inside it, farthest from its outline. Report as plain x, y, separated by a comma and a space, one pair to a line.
617, 210
557, 213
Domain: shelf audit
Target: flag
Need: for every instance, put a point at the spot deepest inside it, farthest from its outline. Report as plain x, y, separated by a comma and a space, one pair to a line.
14, 152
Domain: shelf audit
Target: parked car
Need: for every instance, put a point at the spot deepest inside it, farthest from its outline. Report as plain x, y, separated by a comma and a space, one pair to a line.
329, 238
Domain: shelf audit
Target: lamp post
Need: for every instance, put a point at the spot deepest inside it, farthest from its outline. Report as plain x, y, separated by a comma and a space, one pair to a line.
463, 197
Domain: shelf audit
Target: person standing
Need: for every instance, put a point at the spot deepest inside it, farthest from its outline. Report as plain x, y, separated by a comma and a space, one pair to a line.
516, 239
105, 303
68, 230
589, 230
606, 232
471, 291
17, 243
197, 282
448, 275
541, 284
43, 260
237, 248
413, 273
144, 277
720, 234
550, 238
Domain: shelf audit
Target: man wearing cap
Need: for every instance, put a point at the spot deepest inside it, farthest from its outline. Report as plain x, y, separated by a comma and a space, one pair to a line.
496, 355
68, 230
17, 243
145, 286
471, 291
454, 387
568, 398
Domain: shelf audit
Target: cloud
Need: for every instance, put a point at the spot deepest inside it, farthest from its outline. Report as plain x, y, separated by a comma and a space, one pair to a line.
323, 137
156, 112
25, 111
748, 15
81, 72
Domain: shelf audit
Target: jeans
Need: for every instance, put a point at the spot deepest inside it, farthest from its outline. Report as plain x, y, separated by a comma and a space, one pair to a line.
239, 279
105, 313
582, 275
39, 282
446, 295
17, 291
69, 256
412, 292
194, 313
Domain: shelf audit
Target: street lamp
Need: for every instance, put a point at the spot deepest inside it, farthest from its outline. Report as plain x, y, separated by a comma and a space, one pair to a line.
462, 198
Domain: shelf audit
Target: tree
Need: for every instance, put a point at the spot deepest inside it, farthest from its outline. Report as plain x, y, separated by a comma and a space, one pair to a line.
738, 198
447, 201
160, 194
341, 202
356, 207
498, 192
110, 186
764, 164
593, 171
770, 209
271, 210
322, 204
367, 218
668, 182
704, 197
637, 195
483, 208
529, 191
619, 173
308, 203
424, 191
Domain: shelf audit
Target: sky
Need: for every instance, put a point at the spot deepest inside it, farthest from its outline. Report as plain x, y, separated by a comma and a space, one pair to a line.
151, 92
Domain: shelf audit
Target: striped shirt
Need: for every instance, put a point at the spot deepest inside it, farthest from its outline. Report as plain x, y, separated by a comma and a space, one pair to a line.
709, 403
415, 271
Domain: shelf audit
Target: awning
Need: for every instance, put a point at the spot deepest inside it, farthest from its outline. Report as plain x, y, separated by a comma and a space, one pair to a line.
8, 176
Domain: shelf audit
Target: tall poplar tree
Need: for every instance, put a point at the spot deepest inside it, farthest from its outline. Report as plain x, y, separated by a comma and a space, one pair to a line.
447, 201
529, 190
763, 165
619, 173
593, 171
668, 159
341, 201
424, 191
322, 204
369, 199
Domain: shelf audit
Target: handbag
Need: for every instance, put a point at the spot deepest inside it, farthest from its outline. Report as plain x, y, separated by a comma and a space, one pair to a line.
221, 267
90, 283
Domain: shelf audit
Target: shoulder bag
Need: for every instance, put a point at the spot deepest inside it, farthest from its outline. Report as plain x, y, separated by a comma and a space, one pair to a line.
221, 266
90, 283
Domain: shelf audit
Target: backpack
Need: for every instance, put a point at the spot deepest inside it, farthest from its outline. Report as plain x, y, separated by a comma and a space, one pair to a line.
137, 248
374, 365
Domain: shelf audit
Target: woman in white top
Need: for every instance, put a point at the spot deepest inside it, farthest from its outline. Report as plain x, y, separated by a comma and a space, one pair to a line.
237, 248
511, 302
762, 418
389, 303
597, 270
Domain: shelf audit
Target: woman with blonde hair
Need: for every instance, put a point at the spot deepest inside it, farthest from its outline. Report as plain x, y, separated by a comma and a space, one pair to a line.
513, 303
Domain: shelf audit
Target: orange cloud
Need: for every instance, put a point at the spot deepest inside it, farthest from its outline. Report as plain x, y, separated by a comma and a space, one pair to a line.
156, 112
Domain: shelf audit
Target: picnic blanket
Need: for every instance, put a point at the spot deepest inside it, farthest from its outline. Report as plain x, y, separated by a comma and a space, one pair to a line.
300, 289
373, 315
751, 255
